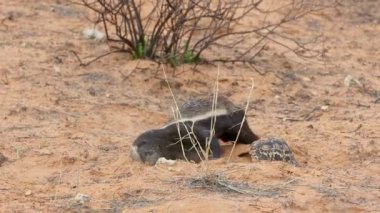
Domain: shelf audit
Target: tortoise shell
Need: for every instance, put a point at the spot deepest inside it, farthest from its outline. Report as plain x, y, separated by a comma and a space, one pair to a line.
272, 149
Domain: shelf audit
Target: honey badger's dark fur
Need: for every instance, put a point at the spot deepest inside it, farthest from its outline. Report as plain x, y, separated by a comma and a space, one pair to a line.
196, 118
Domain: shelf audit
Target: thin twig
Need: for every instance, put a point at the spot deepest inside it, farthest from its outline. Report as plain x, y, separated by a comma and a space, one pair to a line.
355, 130
244, 119
81, 63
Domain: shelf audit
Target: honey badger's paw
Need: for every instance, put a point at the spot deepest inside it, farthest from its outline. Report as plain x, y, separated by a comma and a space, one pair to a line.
273, 149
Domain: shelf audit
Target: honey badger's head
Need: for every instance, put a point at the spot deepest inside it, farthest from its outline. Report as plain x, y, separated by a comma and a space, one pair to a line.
146, 148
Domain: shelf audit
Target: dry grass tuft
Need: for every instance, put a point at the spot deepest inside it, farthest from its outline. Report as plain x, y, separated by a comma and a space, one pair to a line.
218, 182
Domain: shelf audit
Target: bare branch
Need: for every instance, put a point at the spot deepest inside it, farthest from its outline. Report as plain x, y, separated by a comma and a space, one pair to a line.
180, 31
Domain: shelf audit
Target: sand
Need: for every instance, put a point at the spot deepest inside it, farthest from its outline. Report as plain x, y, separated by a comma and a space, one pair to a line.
67, 129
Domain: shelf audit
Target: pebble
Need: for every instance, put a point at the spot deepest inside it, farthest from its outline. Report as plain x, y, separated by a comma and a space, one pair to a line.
165, 161
325, 107
349, 79
82, 198
28, 192
93, 34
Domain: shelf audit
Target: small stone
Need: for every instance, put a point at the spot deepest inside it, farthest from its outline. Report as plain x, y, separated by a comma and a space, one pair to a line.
165, 161
93, 34
325, 107
82, 198
28, 192
347, 80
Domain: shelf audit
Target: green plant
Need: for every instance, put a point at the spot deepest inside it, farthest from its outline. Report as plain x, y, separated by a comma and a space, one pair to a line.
140, 50
188, 55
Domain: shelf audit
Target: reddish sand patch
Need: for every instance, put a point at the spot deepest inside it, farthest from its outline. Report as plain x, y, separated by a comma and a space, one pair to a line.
67, 129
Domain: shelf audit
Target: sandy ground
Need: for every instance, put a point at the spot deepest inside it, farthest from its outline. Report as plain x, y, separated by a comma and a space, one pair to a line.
66, 129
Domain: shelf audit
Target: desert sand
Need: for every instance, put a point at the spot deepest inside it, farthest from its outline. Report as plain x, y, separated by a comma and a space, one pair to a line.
67, 129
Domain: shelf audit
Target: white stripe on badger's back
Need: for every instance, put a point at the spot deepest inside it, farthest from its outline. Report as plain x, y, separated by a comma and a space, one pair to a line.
209, 114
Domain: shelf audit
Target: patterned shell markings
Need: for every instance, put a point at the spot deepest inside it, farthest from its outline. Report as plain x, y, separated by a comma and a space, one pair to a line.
272, 149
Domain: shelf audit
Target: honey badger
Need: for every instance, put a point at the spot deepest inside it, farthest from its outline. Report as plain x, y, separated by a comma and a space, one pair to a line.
198, 124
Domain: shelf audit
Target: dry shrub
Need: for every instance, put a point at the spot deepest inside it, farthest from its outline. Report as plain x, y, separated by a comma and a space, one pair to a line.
180, 31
